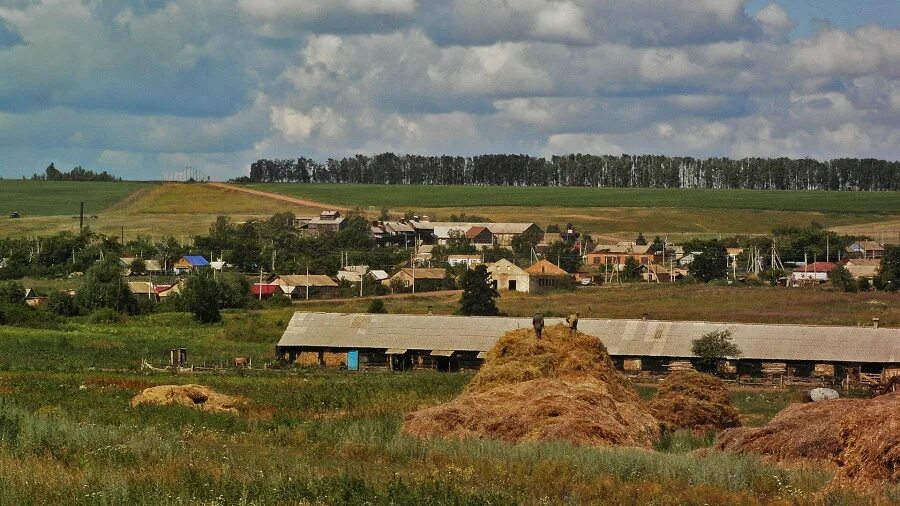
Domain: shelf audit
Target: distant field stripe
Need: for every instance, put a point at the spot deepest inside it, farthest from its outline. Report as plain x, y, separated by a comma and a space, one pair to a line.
51, 198
416, 196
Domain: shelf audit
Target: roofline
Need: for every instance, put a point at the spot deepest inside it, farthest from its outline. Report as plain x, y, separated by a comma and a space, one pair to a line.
620, 320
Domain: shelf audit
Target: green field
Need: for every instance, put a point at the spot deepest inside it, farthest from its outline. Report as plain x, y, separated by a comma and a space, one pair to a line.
310, 436
62, 198
401, 197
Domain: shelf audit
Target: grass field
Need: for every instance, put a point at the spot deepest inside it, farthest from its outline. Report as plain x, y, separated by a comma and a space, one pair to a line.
164, 209
401, 197
62, 198
68, 435
668, 302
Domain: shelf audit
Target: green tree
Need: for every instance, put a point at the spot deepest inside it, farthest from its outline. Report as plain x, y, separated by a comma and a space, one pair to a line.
137, 267
200, 296
631, 270
234, 290
565, 255
640, 240
710, 263
377, 307
888, 277
712, 348
841, 279
478, 297
103, 287
63, 304
12, 292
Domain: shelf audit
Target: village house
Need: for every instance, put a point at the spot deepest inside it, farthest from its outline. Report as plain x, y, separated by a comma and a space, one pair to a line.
506, 275
189, 263
165, 291
297, 286
143, 289
265, 290
615, 255
468, 260
481, 237
863, 267
502, 233
865, 249
151, 266
543, 274
326, 222
408, 275
816, 271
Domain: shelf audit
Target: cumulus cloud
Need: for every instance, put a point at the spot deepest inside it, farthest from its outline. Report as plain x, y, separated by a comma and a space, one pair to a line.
142, 85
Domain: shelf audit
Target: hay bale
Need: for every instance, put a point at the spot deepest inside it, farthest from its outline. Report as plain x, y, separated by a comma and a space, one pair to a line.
695, 401
194, 396
859, 436
561, 387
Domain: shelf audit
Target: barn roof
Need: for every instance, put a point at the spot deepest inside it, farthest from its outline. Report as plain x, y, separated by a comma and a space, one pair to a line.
647, 338
196, 260
547, 268
301, 280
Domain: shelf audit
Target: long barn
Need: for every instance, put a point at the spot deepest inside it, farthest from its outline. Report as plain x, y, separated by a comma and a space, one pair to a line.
460, 342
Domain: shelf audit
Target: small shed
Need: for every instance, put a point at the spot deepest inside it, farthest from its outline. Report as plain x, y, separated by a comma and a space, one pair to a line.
545, 275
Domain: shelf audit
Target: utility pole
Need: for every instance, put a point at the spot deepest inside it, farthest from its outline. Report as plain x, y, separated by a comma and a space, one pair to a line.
413, 261
260, 283
307, 282
81, 218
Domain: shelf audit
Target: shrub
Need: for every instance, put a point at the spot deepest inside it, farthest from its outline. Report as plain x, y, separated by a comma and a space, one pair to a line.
713, 348
201, 296
377, 307
841, 279
12, 292
103, 288
63, 304
278, 300
105, 315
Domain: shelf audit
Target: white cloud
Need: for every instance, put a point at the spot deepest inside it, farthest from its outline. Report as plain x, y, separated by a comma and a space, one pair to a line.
299, 127
774, 20
562, 21
596, 144
835, 53
665, 130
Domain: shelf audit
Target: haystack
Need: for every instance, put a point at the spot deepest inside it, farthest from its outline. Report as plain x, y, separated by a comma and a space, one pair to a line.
561, 387
695, 401
859, 436
195, 396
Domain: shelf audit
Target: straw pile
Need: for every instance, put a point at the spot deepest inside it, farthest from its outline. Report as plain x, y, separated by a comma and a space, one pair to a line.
859, 436
194, 396
561, 387
695, 401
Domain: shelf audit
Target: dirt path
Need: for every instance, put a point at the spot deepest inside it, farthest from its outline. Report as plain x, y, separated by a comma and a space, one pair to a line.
277, 196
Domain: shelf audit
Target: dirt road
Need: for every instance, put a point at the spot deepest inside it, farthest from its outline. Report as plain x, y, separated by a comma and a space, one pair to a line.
277, 196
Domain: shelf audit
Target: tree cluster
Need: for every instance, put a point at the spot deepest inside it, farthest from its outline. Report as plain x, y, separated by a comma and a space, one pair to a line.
637, 171
76, 174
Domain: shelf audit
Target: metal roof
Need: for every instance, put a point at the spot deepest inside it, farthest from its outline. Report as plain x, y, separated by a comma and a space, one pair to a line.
622, 337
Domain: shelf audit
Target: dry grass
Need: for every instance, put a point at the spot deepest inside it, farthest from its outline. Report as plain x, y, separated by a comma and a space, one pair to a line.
667, 302
177, 209
694, 401
192, 396
560, 387
861, 437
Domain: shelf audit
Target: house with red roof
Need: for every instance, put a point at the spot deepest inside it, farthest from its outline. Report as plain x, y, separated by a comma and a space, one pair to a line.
816, 271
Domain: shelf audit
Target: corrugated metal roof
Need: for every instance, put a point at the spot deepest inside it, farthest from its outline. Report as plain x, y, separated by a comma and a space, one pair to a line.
621, 337
301, 279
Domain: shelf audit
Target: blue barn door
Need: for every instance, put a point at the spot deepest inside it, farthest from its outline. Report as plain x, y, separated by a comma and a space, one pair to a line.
353, 360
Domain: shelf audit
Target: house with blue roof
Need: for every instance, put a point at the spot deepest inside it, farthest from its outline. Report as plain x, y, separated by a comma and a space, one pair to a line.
189, 263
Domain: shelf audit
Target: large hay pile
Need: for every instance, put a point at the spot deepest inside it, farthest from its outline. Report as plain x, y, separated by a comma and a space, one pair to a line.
695, 401
860, 436
195, 396
561, 387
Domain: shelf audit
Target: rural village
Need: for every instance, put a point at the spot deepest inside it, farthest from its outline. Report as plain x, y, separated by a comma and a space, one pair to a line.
465, 252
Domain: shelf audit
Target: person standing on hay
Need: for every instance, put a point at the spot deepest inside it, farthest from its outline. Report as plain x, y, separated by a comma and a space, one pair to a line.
572, 321
538, 322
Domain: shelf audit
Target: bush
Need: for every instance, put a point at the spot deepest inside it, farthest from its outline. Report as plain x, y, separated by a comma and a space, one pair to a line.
12, 292
712, 348
841, 279
201, 296
105, 315
21, 315
278, 300
103, 287
63, 304
234, 290
377, 307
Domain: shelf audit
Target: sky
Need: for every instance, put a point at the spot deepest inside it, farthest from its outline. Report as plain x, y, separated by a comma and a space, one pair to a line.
143, 88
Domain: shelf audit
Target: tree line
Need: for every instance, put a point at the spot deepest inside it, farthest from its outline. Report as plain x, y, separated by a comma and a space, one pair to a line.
626, 171
51, 173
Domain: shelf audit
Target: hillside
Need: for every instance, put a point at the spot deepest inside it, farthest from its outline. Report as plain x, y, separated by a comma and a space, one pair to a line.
55, 198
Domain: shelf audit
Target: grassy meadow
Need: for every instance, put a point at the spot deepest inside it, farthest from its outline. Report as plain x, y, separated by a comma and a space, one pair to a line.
428, 196
63, 198
665, 301
69, 435
177, 209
